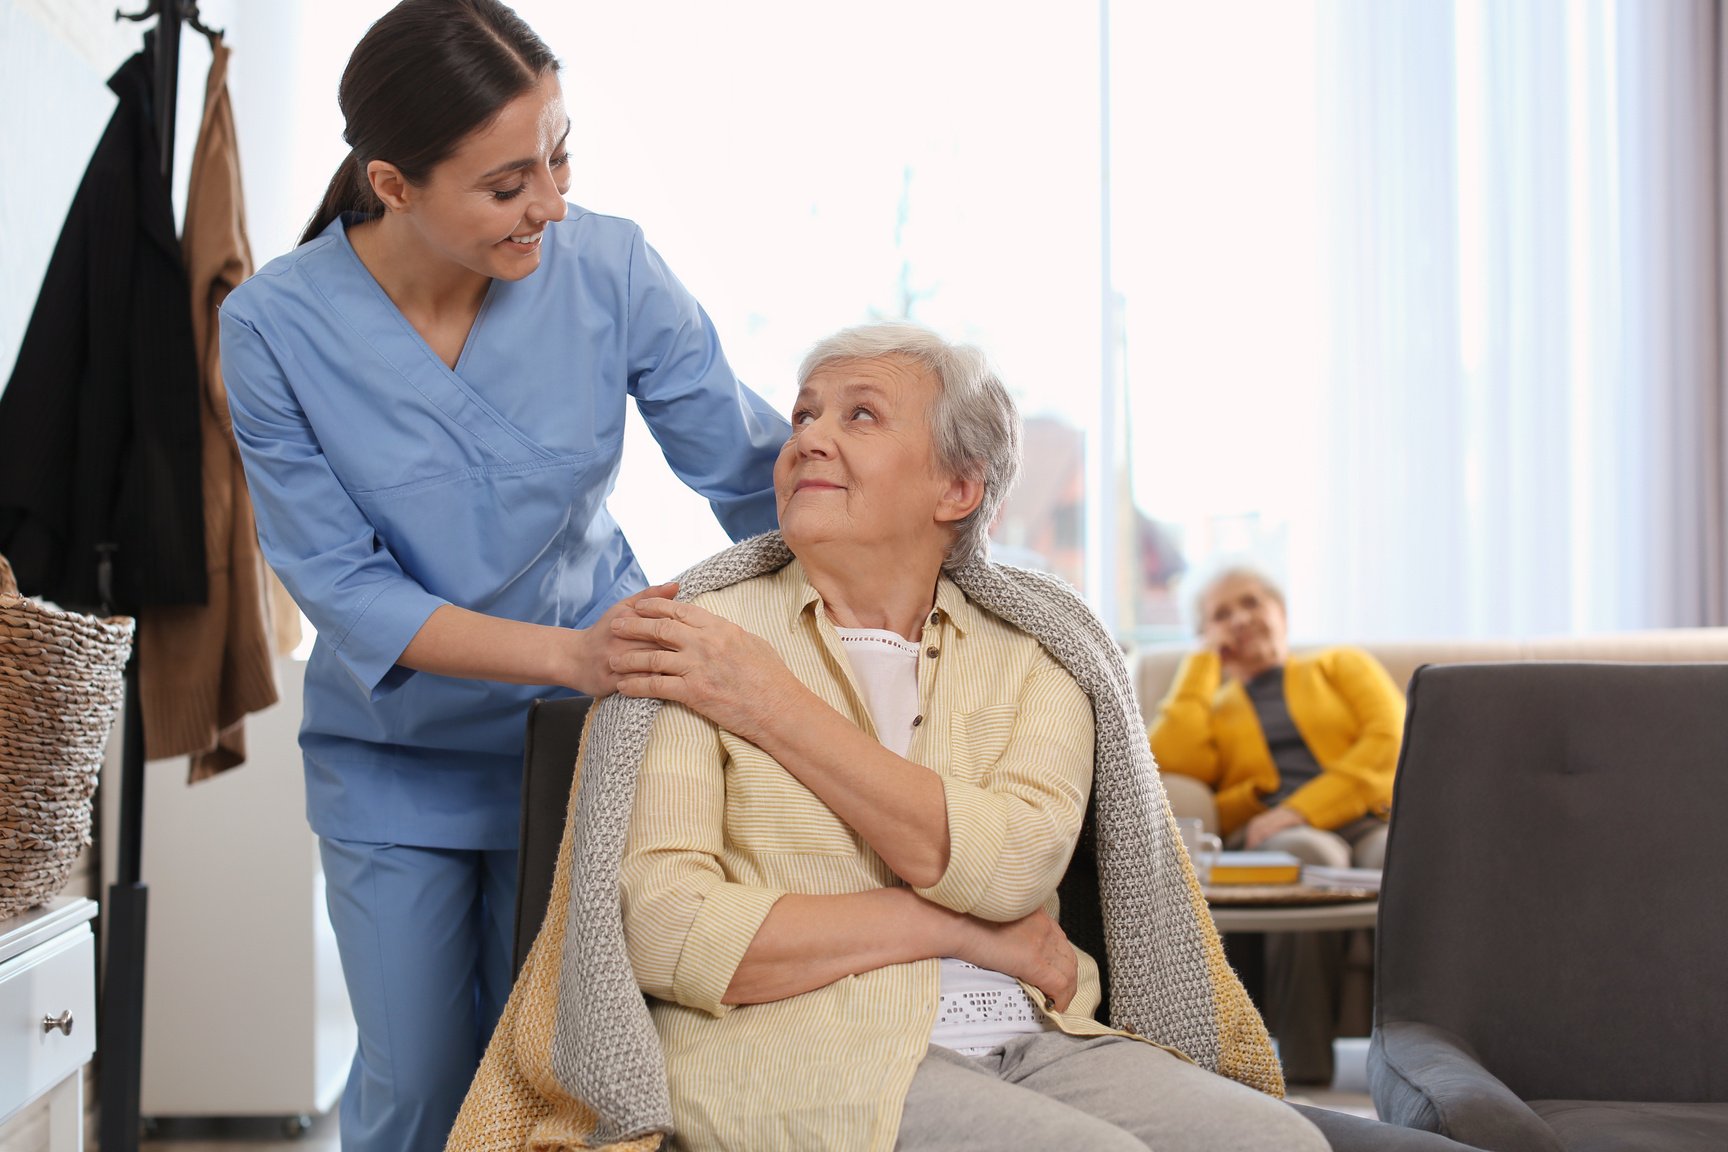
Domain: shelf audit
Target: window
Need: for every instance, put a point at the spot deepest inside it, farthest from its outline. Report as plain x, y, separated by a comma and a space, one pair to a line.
807, 167
1413, 304
1214, 178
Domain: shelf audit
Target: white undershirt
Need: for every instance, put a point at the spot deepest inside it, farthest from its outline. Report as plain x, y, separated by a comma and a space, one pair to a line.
977, 1010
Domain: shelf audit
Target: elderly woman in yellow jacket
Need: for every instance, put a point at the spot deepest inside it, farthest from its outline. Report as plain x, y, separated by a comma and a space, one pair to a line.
1298, 751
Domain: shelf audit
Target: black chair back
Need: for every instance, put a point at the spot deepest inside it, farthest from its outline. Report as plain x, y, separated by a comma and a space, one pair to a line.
1555, 878
548, 771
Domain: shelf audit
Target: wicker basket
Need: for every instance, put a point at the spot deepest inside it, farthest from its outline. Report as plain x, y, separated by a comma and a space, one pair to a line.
61, 682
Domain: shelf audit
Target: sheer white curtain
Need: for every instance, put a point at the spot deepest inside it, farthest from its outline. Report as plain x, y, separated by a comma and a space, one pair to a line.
1523, 379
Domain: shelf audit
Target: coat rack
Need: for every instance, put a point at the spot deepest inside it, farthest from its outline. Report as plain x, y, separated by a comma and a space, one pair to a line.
121, 1019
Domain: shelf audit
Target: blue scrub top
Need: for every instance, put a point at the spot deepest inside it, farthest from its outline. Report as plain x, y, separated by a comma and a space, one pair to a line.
386, 484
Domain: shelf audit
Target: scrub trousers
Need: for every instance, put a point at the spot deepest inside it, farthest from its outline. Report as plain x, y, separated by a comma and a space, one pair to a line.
425, 937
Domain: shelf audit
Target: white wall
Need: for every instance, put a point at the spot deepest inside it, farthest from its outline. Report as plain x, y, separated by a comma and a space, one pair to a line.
55, 60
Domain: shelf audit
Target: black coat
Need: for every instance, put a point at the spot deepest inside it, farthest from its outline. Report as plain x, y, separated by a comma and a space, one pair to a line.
99, 436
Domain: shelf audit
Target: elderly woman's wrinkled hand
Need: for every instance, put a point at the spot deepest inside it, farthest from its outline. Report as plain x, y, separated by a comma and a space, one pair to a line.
706, 663
1033, 948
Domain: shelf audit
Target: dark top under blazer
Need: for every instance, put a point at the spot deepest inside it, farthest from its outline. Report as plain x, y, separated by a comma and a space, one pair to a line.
99, 437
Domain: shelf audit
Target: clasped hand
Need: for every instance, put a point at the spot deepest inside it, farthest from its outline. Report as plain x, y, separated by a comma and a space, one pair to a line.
1033, 948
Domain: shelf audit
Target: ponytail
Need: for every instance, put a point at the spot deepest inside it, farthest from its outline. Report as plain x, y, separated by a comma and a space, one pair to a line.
477, 55
349, 191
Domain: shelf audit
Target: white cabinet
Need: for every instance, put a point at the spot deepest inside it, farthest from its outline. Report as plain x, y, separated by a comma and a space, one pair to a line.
245, 1012
48, 1014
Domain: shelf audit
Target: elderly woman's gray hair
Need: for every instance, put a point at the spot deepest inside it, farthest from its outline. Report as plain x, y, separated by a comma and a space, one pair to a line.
974, 425
1235, 571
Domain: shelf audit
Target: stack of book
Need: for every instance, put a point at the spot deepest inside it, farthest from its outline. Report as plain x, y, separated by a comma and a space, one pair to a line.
1342, 878
1255, 868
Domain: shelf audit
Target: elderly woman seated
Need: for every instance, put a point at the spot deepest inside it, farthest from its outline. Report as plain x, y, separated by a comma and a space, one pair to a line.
1299, 750
1298, 753
850, 822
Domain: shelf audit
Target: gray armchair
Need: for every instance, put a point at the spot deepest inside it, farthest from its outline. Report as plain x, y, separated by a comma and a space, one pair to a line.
1552, 954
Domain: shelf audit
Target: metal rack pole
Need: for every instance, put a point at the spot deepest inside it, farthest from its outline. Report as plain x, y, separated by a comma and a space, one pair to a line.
121, 1019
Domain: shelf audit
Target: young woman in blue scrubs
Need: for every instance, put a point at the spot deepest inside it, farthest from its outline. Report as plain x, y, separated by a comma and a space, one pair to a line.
429, 394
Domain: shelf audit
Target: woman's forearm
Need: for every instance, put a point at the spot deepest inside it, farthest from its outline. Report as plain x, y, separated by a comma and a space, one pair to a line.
736, 679
1181, 734
809, 942
474, 646
898, 807
471, 645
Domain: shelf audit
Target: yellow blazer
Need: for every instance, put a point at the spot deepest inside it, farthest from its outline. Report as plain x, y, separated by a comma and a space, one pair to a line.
1341, 700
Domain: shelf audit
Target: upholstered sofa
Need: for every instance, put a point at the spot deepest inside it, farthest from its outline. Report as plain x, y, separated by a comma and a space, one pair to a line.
1155, 667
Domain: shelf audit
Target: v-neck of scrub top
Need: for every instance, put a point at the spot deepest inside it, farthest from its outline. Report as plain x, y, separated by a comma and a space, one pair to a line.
415, 360
467, 338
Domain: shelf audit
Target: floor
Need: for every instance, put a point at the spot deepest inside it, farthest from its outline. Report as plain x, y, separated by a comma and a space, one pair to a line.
240, 1135
1349, 1093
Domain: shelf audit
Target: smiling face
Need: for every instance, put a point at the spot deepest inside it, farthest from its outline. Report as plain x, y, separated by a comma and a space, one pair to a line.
1245, 623
485, 207
860, 469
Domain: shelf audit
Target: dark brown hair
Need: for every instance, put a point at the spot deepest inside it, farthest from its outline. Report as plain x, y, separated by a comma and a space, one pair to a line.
423, 77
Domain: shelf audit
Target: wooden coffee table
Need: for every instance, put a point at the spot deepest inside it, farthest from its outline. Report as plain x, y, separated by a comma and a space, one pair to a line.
1290, 908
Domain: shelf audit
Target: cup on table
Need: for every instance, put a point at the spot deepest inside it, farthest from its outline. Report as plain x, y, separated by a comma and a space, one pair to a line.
1203, 847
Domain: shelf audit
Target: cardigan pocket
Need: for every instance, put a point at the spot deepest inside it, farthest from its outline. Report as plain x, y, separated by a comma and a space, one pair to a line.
978, 739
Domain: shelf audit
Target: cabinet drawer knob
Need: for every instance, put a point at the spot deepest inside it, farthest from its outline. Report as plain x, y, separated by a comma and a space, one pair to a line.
63, 1022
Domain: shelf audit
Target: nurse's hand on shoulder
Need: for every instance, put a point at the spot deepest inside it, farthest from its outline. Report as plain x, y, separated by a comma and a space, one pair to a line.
705, 662
596, 646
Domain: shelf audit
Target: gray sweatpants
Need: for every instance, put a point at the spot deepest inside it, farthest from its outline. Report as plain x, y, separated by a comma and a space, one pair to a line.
1050, 1090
